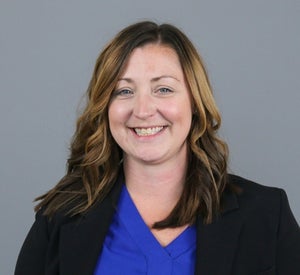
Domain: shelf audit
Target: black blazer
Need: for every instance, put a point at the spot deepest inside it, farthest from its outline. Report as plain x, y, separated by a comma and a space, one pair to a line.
256, 233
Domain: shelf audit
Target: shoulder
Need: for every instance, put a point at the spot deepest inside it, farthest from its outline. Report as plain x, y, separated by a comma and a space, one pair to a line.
261, 203
50, 226
255, 200
250, 190
100, 210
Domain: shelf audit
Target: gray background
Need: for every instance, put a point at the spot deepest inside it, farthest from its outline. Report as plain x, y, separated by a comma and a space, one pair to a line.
47, 53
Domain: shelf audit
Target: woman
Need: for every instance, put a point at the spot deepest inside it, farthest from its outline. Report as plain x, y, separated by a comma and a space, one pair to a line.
147, 189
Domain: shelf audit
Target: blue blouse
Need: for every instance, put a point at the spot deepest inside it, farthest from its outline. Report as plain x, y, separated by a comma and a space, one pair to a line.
131, 248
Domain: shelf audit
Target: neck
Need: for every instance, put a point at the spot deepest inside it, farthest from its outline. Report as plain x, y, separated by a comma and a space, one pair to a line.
155, 189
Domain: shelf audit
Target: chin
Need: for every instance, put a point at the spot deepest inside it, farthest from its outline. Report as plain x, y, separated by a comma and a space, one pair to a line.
150, 158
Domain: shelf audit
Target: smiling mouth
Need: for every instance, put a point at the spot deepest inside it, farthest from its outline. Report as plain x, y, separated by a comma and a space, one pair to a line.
142, 132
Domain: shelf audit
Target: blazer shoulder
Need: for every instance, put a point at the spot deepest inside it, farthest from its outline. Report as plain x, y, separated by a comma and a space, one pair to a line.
262, 202
257, 199
249, 187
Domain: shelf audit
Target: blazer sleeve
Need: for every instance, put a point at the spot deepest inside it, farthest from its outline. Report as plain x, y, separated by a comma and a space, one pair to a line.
32, 257
288, 248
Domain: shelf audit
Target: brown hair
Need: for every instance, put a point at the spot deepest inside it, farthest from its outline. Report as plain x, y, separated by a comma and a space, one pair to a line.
92, 169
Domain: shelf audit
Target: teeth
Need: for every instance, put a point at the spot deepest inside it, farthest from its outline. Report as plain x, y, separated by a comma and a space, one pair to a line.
147, 131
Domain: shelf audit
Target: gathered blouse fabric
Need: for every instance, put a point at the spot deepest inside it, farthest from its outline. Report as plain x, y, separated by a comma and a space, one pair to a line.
131, 248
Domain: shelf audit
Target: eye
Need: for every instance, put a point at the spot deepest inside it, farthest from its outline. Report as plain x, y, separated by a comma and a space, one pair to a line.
123, 92
164, 90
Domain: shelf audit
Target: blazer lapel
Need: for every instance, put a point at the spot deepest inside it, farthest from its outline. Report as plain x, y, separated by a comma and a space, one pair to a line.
81, 240
217, 242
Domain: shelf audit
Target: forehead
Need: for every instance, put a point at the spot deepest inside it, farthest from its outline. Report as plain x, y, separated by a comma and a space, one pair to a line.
152, 58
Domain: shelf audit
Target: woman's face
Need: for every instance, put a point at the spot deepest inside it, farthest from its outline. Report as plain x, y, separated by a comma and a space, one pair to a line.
150, 111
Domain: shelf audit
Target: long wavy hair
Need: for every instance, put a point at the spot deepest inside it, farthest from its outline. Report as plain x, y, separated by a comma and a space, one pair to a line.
95, 158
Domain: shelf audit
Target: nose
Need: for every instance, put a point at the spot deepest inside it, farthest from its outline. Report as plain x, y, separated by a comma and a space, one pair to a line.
144, 106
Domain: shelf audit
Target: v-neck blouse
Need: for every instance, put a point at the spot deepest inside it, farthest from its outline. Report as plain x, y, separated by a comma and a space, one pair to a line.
131, 248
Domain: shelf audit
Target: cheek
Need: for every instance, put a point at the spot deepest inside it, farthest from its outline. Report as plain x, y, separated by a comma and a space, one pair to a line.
118, 115
115, 112
180, 112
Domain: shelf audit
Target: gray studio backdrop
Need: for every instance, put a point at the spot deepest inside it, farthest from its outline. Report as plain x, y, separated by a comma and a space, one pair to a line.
47, 52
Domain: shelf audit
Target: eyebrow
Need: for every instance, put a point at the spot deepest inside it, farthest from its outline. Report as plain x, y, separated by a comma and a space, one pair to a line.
155, 79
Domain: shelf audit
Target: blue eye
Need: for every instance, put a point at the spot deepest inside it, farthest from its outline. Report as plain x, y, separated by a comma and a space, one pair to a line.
164, 90
123, 92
